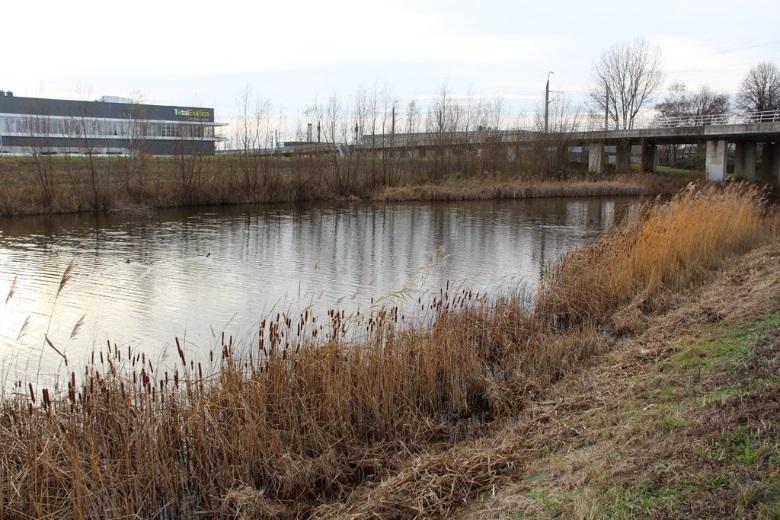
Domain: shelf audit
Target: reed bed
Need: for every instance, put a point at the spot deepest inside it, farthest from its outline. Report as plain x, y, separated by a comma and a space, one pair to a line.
43, 185
668, 247
617, 186
288, 425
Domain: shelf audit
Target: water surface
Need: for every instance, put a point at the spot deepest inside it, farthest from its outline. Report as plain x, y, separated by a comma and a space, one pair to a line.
194, 273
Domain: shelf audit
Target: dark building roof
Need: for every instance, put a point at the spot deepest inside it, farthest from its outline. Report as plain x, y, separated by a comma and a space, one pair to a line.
102, 109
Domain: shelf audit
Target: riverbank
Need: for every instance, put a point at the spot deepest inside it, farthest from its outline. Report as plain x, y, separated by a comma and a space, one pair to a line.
677, 419
385, 427
41, 185
681, 420
636, 185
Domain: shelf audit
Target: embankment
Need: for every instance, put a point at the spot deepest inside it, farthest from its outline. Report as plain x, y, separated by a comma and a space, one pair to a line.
402, 424
47, 184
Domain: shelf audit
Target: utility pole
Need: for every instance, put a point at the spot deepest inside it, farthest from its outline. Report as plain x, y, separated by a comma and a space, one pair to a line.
606, 111
547, 104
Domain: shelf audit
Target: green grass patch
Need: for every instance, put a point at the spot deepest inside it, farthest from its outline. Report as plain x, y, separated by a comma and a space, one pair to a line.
642, 500
727, 347
670, 171
734, 467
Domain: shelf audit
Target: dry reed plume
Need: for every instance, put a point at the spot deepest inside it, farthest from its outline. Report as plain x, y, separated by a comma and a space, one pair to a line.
299, 424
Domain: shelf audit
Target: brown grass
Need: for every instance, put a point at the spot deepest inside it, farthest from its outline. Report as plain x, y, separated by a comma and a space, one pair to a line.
301, 424
669, 246
621, 185
65, 185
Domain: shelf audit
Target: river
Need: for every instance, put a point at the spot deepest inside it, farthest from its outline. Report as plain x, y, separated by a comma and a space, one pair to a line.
196, 273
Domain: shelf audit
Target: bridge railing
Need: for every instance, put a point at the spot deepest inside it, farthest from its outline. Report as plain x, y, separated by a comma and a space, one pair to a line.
692, 121
767, 116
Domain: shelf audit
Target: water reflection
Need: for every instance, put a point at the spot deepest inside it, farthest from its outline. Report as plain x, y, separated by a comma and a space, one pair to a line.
193, 274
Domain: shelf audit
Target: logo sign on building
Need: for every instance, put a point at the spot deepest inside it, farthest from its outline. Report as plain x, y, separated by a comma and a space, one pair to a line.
190, 112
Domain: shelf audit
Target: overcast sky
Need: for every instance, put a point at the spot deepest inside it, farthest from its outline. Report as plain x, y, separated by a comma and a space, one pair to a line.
291, 52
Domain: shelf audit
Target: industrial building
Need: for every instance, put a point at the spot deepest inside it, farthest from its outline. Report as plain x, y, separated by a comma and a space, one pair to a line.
108, 126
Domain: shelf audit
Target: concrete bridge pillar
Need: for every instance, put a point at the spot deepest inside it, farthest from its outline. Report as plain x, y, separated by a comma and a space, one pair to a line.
511, 153
649, 157
623, 156
715, 161
597, 158
771, 162
745, 161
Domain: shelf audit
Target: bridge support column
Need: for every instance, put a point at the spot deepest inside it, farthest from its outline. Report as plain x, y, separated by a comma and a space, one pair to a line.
649, 157
715, 161
623, 156
771, 162
745, 161
511, 153
597, 158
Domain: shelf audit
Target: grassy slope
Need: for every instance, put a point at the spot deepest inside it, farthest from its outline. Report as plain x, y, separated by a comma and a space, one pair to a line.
681, 422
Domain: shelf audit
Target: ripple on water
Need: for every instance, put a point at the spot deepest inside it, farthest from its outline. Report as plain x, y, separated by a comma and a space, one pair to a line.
144, 282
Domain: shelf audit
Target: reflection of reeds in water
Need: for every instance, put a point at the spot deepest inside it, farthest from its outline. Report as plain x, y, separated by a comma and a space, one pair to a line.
304, 416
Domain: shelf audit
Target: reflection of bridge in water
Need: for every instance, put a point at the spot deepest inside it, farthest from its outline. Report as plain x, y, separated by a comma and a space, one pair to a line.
746, 131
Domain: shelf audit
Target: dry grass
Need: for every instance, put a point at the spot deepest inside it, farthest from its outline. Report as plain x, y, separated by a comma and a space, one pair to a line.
290, 425
680, 421
669, 246
622, 185
64, 185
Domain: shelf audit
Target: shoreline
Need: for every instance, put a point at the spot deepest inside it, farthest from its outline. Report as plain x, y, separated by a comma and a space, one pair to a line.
401, 424
459, 190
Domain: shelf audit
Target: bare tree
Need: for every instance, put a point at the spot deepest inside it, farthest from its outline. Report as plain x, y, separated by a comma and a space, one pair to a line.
624, 79
441, 115
760, 89
550, 154
688, 107
336, 130
138, 130
412, 117
251, 134
89, 129
676, 103
40, 131
706, 102
680, 103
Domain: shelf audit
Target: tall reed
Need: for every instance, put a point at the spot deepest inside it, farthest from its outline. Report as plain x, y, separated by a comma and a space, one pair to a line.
668, 247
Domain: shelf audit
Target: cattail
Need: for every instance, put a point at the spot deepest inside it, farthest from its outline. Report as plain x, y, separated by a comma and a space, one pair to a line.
181, 353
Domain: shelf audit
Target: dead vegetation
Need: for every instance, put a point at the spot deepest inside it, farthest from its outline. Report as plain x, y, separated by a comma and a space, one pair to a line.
351, 429
121, 184
622, 185
679, 421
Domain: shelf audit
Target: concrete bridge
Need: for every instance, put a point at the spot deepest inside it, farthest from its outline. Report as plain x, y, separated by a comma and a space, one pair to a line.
746, 131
